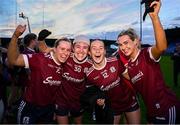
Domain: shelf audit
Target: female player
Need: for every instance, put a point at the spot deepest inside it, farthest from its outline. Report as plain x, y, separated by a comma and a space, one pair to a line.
145, 74
106, 74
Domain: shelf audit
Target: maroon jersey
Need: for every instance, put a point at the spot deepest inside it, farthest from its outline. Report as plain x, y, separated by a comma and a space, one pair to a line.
147, 79
108, 79
123, 58
74, 83
45, 78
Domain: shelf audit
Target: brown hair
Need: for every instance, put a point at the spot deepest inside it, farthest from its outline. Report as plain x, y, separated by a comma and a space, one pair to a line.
61, 39
27, 39
130, 32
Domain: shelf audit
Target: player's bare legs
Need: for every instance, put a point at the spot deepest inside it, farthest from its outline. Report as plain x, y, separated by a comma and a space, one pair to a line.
78, 120
117, 119
62, 119
133, 117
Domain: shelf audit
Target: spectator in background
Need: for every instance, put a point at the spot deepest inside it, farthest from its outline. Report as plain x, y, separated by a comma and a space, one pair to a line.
22, 74
1, 90
1, 101
6, 79
176, 66
30, 43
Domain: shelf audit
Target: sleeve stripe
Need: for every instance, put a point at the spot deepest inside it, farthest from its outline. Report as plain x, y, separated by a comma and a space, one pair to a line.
90, 70
26, 61
111, 59
151, 56
125, 71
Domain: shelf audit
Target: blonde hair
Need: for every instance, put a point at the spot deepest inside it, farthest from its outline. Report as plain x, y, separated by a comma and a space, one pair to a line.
132, 35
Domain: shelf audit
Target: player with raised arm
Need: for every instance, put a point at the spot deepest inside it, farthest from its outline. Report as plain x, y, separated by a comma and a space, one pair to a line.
145, 73
37, 105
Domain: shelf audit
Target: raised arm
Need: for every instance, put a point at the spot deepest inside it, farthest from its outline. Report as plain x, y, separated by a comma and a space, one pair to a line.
160, 37
41, 38
43, 47
14, 57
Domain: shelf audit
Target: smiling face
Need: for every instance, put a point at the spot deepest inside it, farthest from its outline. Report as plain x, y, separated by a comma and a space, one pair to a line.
80, 50
127, 46
62, 51
129, 43
98, 52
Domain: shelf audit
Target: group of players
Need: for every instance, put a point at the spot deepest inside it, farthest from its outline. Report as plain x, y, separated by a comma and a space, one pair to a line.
59, 76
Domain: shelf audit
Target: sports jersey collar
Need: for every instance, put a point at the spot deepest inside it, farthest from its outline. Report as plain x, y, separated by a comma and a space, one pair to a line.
75, 60
132, 60
51, 53
30, 49
102, 66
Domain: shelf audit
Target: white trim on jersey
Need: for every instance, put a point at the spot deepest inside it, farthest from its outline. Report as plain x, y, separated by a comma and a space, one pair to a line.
151, 56
132, 60
51, 53
26, 62
102, 66
111, 59
89, 71
20, 108
31, 49
172, 115
78, 62
87, 86
125, 71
